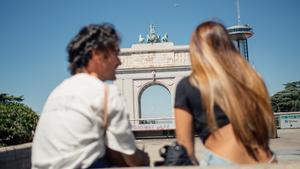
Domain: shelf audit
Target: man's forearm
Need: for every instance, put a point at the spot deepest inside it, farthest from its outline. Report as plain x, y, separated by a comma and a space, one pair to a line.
139, 158
116, 158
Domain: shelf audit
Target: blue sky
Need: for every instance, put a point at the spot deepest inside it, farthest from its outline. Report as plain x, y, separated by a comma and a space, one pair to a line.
34, 34
156, 102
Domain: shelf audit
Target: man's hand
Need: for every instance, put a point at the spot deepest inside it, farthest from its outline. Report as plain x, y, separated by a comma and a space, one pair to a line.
139, 158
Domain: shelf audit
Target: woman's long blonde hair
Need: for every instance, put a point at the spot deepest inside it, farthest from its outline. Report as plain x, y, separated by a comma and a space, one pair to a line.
227, 80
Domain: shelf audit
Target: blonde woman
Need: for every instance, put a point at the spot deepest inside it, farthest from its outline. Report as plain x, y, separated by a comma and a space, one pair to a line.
224, 101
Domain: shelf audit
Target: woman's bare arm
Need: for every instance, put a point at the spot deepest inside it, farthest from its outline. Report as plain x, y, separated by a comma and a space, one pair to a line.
185, 130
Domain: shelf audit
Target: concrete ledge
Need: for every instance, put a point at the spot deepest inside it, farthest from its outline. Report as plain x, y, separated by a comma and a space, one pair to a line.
18, 156
282, 165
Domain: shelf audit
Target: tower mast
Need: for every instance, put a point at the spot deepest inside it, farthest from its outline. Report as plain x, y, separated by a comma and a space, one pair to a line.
238, 12
240, 33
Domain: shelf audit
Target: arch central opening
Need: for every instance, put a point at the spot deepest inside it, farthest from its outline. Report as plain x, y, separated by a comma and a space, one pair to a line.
155, 105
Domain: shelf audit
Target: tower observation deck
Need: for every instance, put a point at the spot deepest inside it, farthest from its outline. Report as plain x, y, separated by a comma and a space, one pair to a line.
240, 33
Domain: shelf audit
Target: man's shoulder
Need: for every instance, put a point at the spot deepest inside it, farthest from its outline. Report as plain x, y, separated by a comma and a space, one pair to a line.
80, 86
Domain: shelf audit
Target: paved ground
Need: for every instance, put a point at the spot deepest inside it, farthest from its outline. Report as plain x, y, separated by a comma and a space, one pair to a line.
286, 146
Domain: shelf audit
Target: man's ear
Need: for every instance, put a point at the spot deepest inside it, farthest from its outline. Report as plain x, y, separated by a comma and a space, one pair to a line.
96, 54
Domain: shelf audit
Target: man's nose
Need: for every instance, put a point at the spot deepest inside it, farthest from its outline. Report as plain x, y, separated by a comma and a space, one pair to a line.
119, 61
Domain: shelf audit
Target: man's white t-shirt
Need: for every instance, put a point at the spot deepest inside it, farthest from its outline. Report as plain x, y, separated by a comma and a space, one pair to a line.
69, 133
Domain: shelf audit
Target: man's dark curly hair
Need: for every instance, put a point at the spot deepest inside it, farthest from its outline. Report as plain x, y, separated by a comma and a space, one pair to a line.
102, 37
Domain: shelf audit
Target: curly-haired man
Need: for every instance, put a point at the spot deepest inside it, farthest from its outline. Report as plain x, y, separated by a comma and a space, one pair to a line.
73, 131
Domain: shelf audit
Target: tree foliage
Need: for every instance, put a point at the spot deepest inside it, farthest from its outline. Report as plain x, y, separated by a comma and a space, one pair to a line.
17, 121
5, 98
287, 100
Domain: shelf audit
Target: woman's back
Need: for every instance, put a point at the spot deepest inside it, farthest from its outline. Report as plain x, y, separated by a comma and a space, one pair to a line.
188, 98
224, 143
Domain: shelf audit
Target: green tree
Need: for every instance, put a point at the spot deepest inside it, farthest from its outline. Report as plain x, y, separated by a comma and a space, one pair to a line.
17, 121
5, 98
287, 100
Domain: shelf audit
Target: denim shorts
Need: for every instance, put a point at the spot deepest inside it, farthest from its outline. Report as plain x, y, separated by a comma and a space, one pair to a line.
209, 158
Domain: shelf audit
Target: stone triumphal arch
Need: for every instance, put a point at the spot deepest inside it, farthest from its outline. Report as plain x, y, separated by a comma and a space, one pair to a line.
147, 64
153, 61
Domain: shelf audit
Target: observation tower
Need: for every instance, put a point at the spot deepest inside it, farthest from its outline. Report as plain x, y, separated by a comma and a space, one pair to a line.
240, 33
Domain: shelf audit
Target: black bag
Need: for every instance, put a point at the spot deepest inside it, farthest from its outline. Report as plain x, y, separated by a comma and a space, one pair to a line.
174, 155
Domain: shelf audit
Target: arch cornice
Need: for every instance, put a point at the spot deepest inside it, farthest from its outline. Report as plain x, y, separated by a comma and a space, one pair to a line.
154, 48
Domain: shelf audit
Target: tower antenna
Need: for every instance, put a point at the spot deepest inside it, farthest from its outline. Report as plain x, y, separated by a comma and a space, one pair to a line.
238, 11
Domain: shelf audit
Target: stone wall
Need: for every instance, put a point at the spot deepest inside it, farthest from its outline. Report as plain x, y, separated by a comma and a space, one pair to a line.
18, 157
